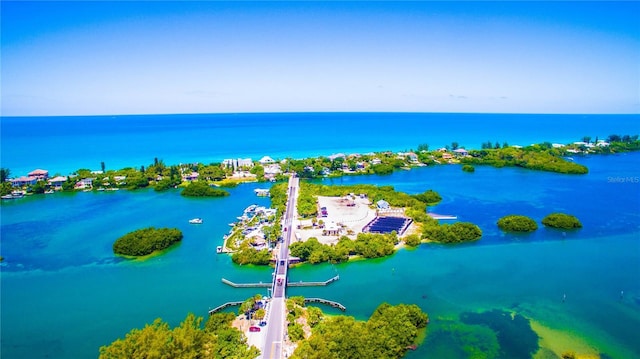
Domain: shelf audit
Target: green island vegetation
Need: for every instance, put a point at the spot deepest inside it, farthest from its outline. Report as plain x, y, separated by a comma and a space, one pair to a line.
145, 241
468, 168
374, 245
541, 157
216, 339
388, 333
451, 233
366, 245
517, 223
562, 221
536, 157
415, 205
202, 189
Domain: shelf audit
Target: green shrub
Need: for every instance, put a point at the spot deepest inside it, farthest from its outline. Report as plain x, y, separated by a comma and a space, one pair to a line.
561, 220
468, 168
516, 223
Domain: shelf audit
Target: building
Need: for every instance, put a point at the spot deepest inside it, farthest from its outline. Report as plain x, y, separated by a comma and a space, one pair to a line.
461, 152
190, 176
56, 182
447, 156
266, 160
331, 229
23, 181
238, 163
337, 155
39, 174
382, 204
84, 183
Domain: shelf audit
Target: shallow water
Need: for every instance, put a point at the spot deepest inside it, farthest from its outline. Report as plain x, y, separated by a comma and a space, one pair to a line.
64, 294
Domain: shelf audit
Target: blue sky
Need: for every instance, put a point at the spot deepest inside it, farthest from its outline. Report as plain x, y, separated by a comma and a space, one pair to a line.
84, 58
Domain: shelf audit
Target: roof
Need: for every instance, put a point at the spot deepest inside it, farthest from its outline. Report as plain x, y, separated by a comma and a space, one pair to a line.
24, 179
58, 179
461, 150
266, 159
38, 172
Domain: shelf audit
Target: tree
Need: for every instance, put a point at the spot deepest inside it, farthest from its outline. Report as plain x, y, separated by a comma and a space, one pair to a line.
454, 146
102, 166
423, 147
4, 174
613, 138
586, 139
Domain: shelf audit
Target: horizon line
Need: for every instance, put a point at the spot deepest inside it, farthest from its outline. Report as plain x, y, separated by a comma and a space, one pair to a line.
329, 112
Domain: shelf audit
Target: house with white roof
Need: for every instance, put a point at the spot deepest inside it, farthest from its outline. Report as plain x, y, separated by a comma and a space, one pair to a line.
56, 182
266, 160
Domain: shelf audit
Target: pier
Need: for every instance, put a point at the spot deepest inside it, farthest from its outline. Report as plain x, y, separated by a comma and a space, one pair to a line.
246, 285
225, 305
326, 302
313, 284
442, 216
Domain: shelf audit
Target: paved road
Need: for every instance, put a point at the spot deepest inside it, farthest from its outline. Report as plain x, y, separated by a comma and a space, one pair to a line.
276, 316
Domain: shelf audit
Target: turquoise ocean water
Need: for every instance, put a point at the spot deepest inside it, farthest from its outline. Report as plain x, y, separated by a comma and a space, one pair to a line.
63, 293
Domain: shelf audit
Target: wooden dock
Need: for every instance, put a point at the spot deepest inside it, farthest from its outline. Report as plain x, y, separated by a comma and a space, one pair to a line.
326, 302
225, 305
313, 284
247, 285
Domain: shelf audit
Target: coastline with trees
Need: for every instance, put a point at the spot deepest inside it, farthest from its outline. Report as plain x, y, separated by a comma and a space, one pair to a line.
544, 156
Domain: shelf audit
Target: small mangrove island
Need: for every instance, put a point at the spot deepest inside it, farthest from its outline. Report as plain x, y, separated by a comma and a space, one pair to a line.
561, 221
517, 223
146, 241
202, 189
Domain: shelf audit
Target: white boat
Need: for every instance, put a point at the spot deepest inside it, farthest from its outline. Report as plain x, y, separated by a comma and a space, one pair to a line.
48, 191
195, 221
219, 249
14, 195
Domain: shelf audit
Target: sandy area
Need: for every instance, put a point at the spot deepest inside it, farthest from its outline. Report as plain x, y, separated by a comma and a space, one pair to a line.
350, 218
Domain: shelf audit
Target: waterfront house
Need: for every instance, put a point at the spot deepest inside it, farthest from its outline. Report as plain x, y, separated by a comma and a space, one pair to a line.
56, 182
447, 156
23, 181
84, 183
602, 143
39, 174
376, 161
412, 157
461, 152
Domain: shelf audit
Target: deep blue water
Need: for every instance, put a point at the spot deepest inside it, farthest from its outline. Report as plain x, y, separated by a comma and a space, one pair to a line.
63, 293
65, 144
